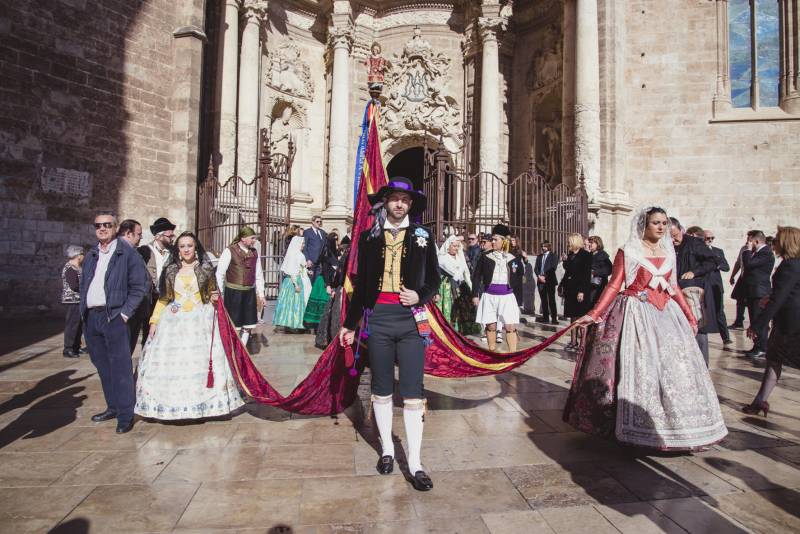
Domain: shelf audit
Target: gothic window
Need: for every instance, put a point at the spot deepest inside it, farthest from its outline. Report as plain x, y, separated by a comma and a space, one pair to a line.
754, 53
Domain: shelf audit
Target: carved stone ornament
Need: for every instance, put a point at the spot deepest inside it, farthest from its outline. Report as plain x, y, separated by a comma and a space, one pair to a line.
546, 68
340, 36
489, 27
288, 73
416, 101
255, 10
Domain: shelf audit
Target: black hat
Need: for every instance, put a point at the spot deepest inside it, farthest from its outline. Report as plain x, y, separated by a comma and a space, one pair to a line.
401, 184
501, 229
162, 224
345, 240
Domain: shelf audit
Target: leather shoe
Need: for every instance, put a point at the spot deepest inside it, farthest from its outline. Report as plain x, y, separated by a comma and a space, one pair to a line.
385, 465
754, 353
122, 428
69, 353
421, 481
735, 326
727, 341
104, 416
83, 350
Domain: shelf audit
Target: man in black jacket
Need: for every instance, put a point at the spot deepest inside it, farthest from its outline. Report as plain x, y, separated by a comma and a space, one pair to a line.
397, 274
695, 263
545, 270
757, 267
716, 286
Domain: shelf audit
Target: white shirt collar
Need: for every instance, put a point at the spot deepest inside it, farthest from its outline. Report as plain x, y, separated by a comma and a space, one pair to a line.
112, 246
389, 226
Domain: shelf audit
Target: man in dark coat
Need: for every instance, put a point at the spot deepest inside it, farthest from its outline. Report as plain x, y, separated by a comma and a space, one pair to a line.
397, 274
739, 294
473, 251
695, 262
716, 286
545, 270
314, 240
757, 265
113, 285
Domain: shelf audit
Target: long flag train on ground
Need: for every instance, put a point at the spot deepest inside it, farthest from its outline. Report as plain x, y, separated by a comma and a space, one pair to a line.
331, 385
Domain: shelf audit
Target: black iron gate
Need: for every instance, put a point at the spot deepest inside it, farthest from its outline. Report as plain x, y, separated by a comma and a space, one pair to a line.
464, 202
263, 203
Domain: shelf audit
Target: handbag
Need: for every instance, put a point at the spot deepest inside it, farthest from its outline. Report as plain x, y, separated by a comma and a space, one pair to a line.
694, 297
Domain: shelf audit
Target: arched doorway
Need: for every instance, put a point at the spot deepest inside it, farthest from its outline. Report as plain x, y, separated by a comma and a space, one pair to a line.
409, 163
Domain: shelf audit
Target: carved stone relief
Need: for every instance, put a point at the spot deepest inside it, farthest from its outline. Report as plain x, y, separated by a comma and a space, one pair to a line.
546, 67
288, 73
417, 101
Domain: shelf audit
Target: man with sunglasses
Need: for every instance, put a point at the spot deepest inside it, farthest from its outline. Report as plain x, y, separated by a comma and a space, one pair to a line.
716, 286
113, 284
473, 251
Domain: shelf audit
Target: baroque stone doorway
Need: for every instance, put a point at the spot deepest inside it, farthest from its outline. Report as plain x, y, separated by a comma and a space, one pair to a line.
409, 163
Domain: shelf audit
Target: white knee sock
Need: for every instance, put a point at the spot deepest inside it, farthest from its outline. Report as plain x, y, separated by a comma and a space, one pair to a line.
413, 411
382, 409
245, 336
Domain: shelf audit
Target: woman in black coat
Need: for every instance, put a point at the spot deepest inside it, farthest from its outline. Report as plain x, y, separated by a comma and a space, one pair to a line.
782, 307
576, 284
601, 269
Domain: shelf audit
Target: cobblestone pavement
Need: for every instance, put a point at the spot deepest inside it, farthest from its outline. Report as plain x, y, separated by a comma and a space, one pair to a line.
501, 459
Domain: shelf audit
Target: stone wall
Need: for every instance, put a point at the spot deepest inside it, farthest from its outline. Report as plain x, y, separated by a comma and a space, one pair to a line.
85, 123
725, 176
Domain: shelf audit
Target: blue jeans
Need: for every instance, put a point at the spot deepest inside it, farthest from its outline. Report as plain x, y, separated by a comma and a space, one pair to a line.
109, 348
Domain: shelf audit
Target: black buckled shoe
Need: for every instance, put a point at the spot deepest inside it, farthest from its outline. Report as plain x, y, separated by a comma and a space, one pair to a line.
385, 465
421, 481
104, 416
123, 428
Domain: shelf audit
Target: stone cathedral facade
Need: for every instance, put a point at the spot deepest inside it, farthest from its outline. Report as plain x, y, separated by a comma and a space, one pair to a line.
691, 105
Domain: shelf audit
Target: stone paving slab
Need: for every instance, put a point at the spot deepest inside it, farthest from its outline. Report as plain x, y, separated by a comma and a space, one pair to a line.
501, 458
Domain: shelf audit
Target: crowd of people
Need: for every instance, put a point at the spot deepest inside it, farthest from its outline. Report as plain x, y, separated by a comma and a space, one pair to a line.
639, 325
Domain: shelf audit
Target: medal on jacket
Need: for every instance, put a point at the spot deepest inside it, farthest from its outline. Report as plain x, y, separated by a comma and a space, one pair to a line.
175, 307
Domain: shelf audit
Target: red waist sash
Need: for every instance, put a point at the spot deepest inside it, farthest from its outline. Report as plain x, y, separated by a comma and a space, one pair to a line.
388, 298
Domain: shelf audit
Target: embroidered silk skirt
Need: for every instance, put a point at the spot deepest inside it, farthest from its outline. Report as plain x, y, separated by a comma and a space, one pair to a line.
173, 370
291, 305
642, 378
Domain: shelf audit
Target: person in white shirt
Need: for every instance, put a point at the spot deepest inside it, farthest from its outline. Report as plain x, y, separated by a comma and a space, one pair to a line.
239, 273
155, 254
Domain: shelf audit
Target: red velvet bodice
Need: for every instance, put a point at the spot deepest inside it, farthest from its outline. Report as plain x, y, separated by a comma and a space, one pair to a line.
640, 288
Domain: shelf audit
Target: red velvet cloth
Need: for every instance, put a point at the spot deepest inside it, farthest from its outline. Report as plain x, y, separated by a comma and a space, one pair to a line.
330, 387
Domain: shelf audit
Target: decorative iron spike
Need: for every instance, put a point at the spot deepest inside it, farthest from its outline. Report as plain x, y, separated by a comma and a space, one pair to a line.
210, 171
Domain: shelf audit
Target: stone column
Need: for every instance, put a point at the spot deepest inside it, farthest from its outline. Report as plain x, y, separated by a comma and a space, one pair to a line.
722, 93
228, 88
253, 16
186, 93
789, 96
493, 191
340, 40
587, 96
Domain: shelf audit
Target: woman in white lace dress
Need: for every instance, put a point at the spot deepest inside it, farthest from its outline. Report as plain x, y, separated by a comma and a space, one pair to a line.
641, 376
184, 373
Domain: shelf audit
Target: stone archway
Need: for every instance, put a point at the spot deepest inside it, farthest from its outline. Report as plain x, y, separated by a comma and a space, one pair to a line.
410, 163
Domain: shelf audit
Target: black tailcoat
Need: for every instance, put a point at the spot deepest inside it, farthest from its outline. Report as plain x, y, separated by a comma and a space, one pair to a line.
419, 270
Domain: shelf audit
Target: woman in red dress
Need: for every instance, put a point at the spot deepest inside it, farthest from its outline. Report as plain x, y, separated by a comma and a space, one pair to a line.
640, 376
